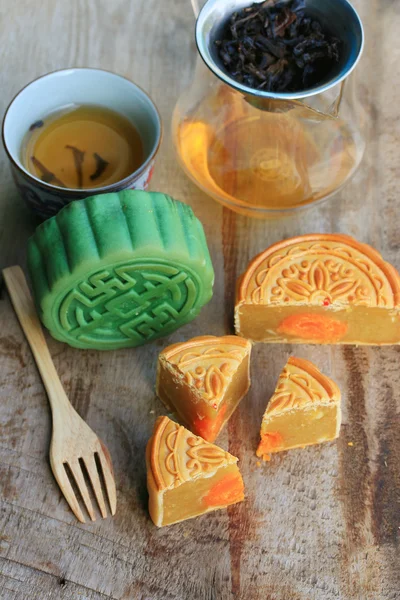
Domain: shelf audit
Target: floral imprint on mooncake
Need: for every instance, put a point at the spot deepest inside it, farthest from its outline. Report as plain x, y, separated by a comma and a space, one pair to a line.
178, 456
210, 379
301, 384
321, 269
209, 363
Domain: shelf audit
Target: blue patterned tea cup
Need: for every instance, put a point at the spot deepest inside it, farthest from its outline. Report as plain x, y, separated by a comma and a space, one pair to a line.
77, 86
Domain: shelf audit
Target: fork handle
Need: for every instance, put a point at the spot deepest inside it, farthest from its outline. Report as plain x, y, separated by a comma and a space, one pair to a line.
26, 312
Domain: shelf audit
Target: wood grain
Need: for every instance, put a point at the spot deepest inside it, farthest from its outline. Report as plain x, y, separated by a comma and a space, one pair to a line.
318, 524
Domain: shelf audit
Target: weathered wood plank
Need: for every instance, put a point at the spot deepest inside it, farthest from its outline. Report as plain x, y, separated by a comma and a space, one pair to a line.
322, 523
18, 582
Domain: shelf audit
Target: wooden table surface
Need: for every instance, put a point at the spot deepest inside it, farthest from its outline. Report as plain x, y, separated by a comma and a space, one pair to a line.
318, 524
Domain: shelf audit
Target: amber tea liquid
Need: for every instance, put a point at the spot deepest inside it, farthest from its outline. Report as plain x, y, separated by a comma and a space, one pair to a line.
82, 147
261, 158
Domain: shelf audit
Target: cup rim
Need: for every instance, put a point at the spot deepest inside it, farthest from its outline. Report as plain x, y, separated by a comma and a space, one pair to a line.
244, 89
73, 191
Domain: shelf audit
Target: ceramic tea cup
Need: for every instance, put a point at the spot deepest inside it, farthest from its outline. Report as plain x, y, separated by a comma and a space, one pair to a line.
76, 87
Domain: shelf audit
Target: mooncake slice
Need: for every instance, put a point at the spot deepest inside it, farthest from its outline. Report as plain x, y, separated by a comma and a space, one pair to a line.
187, 476
304, 410
119, 270
319, 289
203, 380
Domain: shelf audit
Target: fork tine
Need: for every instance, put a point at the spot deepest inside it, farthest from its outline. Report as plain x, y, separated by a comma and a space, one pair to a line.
93, 474
65, 486
76, 471
106, 467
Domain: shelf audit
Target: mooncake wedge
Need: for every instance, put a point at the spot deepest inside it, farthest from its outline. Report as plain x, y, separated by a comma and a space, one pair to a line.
119, 270
203, 380
304, 410
319, 289
187, 476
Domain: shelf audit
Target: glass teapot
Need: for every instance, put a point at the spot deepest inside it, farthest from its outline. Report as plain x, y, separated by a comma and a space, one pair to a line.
266, 154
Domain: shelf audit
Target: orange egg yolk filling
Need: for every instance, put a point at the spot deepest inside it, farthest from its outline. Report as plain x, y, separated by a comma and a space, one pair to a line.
228, 490
308, 326
269, 441
208, 428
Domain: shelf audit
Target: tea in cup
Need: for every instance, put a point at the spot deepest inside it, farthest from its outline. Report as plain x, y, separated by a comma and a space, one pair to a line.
78, 132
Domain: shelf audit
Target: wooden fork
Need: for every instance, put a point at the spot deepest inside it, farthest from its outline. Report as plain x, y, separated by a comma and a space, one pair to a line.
75, 449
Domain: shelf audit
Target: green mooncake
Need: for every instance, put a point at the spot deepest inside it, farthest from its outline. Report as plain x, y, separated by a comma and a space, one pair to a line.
119, 270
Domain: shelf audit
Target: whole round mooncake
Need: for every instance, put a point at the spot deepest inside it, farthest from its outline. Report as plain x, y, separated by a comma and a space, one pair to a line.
118, 270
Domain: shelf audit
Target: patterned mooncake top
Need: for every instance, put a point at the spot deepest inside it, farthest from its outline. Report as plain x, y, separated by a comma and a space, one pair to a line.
320, 269
208, 363
301, 384
178, 456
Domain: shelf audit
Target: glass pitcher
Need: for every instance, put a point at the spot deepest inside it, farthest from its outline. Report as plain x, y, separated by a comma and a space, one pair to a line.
267, 154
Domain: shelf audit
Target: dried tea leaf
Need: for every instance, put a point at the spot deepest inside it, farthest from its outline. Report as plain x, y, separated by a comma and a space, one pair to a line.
101, 166
277, 47
79, 157
46, 175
